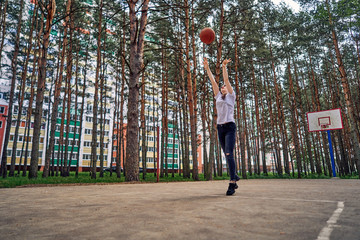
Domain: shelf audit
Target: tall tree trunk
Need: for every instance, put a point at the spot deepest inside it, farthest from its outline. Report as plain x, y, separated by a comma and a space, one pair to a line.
262, 131
257, 114
336, 103
137, 33
75, 109
317, 106
51, 8
143, 126
62, 131
238, 109
281, 117
217, 74
121, 143
69, 66
182, 140
186, 160
163, 110
23, 80
358, 58
245, 126
166, 129
204, 117
116, 125
29, 110
183, 117
96, 96
303, 122
3, 171
294, 127
23, 77
55, 107
3, 8
307, 104
175, 133
155, 131
102, 106
274, 141
190, 91
82, 108
347, 93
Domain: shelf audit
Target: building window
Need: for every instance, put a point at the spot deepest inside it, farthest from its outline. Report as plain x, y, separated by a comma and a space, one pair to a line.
2, 109
28, 139
16, 109
89, 119
0, 124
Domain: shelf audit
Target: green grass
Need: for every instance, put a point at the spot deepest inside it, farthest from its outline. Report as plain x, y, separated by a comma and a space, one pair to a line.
84, 178
352, 176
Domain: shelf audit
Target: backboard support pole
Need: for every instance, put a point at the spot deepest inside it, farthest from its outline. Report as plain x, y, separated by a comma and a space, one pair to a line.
331, 154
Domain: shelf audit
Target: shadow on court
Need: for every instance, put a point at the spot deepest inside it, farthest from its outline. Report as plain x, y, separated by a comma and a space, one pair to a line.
260, 209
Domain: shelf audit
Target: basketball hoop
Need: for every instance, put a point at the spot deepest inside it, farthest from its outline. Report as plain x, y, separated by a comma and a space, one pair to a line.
324, 120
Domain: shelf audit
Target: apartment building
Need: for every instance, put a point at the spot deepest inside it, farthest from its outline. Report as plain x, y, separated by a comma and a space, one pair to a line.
80, 140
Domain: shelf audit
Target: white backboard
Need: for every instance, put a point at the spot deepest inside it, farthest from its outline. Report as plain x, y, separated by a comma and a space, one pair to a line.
325, 120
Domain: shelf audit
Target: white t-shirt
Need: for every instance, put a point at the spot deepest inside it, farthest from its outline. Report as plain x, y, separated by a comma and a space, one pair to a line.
225, 108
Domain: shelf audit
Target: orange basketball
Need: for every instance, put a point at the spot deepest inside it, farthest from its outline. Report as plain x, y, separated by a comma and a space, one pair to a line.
207, 35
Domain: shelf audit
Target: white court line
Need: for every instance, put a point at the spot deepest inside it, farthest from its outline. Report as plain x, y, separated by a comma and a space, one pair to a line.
326, 231
331, 223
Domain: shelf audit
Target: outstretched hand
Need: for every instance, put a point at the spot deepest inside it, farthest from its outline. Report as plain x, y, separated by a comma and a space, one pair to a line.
226, 61
206, 64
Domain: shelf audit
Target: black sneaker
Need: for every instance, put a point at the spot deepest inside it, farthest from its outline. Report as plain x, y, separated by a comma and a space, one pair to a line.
231, 189
237, 178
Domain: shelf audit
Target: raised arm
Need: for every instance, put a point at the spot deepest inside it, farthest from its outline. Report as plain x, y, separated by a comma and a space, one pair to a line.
225, 75
212, 79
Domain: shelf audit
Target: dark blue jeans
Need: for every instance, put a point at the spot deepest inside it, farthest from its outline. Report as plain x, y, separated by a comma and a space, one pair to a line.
227, 137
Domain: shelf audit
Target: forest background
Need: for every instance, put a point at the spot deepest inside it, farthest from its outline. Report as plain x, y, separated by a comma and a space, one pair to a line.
285, 64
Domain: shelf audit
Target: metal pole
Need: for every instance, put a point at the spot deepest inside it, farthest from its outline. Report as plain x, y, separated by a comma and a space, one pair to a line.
331, 153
